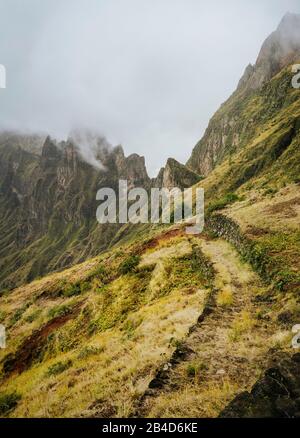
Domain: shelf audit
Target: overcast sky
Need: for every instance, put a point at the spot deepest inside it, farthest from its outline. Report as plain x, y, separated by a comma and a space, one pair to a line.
148, 74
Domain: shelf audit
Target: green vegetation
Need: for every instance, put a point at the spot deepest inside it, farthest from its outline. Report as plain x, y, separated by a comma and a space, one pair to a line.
191, 370
89, 351
18, 314
129, 264
58, 368
2, 316
273, 256
207, 309
124, 295
74, 289
223, 202
8, 402
59, 311
225, 297
188, 273
243, 324
33, 316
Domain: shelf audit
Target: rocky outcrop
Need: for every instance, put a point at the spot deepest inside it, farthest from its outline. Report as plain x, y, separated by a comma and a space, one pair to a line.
48, 200
235, 123
275, 395
281, 48
48, 204
131, 168
30, 143
175, 174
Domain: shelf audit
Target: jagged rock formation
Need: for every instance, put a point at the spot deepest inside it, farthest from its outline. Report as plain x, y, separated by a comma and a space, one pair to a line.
48, 205
175, 174
186, 310
281, 48
30, 143
132, 169
48, 199
236, 122
48, 193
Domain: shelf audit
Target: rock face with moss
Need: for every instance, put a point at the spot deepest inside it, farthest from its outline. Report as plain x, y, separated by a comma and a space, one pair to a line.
163, 324
263, 91
281, 48
48, 204
175, 174
48, 199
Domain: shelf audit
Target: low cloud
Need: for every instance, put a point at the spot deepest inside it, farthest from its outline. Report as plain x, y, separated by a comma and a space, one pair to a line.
146, 74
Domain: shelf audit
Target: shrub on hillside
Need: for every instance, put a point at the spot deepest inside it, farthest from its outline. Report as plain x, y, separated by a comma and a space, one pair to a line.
8, 402
221, 203
58, 368
129, 265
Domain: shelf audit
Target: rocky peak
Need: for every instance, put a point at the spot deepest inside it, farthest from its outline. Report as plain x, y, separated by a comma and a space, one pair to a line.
175, 174
289, 31
281, 48
246, 76
119, 152
230, 128
91, 146
51, 153
133, 169
32, 143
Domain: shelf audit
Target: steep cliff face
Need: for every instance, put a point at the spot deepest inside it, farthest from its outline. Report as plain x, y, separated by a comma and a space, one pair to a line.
257, 99
48, 199
281, 48
132, 169
142, 319
48, 205
30, 142
175, 174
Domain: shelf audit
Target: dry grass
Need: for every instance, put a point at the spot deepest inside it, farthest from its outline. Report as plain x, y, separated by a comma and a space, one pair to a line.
123, 334
228, 349
225, 297
243, 324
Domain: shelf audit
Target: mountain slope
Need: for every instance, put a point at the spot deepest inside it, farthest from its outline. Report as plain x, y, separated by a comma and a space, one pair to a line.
221, 353
264, 104
48, 200
161, 326
48, 206
128, 312
167, 324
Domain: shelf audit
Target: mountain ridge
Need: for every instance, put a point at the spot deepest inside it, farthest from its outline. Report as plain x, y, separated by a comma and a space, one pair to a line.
52, 196
223, 133
165, 324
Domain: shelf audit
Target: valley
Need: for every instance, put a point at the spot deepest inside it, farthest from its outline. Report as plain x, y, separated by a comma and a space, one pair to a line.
145, 320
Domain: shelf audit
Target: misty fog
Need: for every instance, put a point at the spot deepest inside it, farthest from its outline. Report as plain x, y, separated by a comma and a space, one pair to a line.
146, 74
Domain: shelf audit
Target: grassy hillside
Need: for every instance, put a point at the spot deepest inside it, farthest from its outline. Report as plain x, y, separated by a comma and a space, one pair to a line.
266, 153
162, 323
94, 336
161, 326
